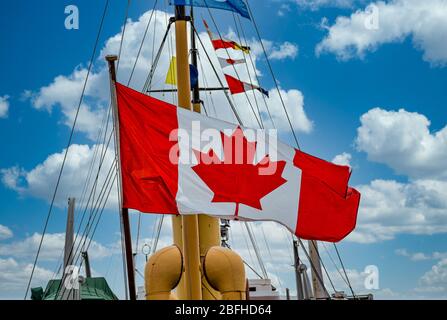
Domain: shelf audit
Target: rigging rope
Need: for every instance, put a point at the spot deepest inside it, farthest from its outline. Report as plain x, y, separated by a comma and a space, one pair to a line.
84, 191
248, 247
103, 152
142, 43
149, 79
123, 33
95, 228
138, 233
234, 68
256, 249
254, 70
333, 262
320, 280
344, 270
233, 108
68, 147
273, 74
248, 71
323, 265
246, 263
92, 218
157, 236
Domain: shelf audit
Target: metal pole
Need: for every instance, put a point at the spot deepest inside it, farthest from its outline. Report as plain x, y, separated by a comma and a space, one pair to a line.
175, 90
124, 211
88, 271
189, 223
194, 53
129, 255
298, 278
69, 234
72, 293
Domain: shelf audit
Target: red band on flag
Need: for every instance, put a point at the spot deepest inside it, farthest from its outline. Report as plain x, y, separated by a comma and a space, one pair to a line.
327, 206
149, 178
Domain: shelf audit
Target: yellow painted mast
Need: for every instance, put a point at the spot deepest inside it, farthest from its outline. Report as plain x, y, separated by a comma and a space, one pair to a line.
196, 237
189, 225
209, 227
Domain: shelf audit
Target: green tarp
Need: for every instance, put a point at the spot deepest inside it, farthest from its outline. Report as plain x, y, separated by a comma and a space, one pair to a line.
90, 289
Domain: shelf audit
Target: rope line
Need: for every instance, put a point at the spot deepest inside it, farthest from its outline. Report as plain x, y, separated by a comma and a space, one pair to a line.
233, 108
323, 265
344, 270
68, 147
273, 75
234, 67
142, 43
320, 280
254, 70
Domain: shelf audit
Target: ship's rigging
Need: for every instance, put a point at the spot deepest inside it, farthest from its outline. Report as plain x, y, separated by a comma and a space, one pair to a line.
101, 179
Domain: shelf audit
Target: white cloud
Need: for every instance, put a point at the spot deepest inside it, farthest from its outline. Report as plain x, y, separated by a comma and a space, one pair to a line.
52, 247
64, 91
11, 177
5, 232
294, 102
285, 50
421, 256
434, 281
417, 256
4, 106
40, 181
14, 277
389, 208
317, 4
343, 159
357, 281
403, 141
275, 51
424, 21
283, 9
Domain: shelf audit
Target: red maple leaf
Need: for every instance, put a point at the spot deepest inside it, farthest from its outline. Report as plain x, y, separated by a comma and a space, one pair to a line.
236, 178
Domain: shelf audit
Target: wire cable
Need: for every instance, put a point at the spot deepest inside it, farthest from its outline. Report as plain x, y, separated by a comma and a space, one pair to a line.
334, 264
248, 72
126, 16
273, 75
344, 270
68, 147
142, 42
323, 265
233, 108
234, 68
320, 280
254, 69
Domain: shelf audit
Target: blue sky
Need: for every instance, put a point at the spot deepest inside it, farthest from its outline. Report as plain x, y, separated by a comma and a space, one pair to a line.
373, 97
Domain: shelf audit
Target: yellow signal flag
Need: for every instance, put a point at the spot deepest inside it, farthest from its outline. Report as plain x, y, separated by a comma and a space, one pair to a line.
171, 77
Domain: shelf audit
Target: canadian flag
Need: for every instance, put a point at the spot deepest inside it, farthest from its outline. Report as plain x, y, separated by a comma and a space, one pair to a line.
174, 161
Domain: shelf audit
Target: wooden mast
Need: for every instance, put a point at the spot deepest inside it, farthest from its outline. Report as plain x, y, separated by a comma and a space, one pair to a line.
123, 211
